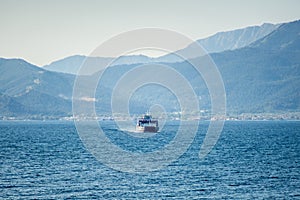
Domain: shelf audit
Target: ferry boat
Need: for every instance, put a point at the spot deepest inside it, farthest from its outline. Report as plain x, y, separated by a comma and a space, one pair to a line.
147, 124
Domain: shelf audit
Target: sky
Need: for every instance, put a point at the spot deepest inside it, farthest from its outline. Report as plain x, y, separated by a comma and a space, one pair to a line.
42, 31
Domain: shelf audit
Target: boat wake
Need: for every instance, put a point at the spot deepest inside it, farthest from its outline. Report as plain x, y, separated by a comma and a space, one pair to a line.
135, 133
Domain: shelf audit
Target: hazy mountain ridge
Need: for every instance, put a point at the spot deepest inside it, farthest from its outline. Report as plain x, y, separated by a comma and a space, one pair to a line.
218, 42
34, 90
223, 41
261, 77
265, 76
236, 39
286, 37
72, 64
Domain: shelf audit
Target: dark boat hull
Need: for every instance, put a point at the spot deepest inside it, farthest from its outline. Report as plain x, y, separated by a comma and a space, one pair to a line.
151, 129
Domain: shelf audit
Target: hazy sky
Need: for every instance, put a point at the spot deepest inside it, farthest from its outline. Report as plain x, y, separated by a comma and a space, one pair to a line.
42, 31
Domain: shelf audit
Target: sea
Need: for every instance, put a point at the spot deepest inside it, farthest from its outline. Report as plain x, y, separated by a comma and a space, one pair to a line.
250, 160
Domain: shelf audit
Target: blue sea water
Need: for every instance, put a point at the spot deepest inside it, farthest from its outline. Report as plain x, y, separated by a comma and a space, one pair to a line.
47, 160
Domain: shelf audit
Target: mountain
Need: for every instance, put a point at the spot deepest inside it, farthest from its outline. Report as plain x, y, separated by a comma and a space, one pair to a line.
69, 64
10, 107
264, 76
72, 64
223, 41
29, 90
261, 77
19, 77
236, 39
286, 38
217, 43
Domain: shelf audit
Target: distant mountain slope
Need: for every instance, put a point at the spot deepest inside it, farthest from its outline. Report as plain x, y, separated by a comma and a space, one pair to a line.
264, 76
219, 42
10, 107
27, 89
69, 64
236, 39
261, 77
223, 41
72, 64
19, 77
286, 37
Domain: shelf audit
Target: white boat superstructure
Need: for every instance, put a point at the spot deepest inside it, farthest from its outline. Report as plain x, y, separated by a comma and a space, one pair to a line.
147, 124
